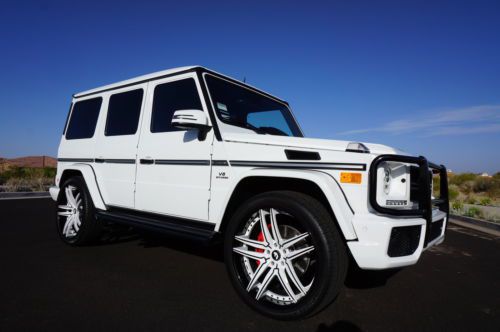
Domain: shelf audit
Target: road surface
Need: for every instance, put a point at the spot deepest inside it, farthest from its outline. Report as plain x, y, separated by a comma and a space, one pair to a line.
147, 283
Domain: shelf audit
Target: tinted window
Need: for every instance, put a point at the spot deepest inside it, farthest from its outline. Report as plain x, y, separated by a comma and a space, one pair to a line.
84, 119
170, 97
123, 113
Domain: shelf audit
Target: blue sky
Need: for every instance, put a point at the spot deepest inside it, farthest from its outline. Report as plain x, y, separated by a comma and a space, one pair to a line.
420, 76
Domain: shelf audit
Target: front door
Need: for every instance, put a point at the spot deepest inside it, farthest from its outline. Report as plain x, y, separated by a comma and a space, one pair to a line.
173, 170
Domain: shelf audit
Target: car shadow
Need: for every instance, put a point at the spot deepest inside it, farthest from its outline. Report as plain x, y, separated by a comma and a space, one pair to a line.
364, 279
339, 326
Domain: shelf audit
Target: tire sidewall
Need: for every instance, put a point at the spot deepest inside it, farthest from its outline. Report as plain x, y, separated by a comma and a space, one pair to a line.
324, 246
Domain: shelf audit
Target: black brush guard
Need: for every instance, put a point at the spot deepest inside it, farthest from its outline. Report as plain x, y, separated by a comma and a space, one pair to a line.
424, 195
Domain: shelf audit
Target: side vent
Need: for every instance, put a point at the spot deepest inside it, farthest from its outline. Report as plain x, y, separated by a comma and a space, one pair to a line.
302, 155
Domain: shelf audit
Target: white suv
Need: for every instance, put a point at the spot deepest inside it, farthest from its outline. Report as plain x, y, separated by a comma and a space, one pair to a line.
191, 152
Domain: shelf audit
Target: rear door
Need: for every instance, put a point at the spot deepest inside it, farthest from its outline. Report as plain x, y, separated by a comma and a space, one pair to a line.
116, 147
173, 175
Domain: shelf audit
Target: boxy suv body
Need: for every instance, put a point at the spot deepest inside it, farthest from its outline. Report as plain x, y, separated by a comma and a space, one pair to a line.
194, 153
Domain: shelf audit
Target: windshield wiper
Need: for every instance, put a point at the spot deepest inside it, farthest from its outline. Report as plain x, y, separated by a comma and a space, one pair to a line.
250, 126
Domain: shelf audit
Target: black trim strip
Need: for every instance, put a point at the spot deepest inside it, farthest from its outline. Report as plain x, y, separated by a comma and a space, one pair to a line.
220, 163
119, 161
182, 162
75, 160
280, 164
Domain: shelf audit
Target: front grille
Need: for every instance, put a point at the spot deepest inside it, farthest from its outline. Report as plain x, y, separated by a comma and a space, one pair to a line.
404, 240
436, 229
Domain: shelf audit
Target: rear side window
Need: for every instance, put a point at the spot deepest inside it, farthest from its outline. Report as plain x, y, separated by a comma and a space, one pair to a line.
84, 119
170, 97
123, 113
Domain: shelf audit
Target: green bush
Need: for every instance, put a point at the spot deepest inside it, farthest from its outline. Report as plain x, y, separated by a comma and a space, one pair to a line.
470, 200
485, 201
474, 212
457, 206
453, 192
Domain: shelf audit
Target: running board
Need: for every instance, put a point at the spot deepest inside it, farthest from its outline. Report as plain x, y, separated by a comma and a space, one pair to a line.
185, 228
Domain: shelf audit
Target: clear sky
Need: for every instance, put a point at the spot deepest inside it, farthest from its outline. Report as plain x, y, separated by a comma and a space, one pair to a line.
423, 76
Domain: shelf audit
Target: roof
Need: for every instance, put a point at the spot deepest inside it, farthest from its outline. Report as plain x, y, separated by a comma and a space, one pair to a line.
163, 73
135, 80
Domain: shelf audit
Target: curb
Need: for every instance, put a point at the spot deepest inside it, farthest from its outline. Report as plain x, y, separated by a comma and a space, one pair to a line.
475, 223
24, 195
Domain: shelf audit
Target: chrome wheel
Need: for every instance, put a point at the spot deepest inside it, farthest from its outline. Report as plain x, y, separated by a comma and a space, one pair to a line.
70, 214
277, 257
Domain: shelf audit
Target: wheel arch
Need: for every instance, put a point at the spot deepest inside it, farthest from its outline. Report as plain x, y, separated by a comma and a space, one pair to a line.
87, 172
313, 183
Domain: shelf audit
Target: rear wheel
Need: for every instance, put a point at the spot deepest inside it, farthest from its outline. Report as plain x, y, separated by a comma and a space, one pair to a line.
76, 222
284, 255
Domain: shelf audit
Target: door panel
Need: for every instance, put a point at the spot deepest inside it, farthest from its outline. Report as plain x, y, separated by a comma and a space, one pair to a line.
116, 149
177, 183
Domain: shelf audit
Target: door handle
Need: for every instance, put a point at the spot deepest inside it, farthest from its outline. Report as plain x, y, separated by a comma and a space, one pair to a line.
99, 160
147, 161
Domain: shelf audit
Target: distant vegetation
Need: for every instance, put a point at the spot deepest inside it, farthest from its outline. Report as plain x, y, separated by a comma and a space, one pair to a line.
26, 178
474, 195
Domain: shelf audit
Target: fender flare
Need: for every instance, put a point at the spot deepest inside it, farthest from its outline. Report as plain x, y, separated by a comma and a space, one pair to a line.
90, 180
327, 184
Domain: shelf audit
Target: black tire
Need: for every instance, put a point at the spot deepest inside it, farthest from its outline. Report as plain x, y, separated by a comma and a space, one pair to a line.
89, 229
330, 255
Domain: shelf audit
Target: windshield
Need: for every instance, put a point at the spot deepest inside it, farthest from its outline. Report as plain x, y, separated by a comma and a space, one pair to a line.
242, 107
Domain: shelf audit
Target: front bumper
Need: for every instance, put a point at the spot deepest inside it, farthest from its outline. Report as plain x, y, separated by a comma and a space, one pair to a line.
395, 237
371, 249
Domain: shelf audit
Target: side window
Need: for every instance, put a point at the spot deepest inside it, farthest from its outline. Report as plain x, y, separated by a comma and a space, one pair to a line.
124, 111
170, 97
84, 119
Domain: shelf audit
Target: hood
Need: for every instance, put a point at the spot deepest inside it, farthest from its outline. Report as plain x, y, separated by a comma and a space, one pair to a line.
306, 143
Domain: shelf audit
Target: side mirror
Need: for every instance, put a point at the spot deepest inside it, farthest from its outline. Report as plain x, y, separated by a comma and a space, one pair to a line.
192, 119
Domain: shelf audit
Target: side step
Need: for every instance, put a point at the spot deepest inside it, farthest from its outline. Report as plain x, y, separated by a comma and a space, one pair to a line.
185, 228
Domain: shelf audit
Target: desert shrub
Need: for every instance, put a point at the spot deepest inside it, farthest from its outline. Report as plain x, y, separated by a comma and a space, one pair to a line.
459, 179
474, 212
467, 187
482, 184
453, 192
457, 206
485, 201
470, 200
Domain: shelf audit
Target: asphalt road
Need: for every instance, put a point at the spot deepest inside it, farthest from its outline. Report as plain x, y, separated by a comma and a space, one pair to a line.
144, 283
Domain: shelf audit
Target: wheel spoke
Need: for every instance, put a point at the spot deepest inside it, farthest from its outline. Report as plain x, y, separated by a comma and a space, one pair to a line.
263, 225
257, 274
294, 278
249, 254
70, 197
265, 283
274, 227
251, 243
64, 213
299, 252
65, 207
67, 224
76, 224
286, 284
290, 242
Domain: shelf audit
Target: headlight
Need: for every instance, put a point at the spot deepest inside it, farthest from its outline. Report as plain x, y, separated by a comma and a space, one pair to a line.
393, 185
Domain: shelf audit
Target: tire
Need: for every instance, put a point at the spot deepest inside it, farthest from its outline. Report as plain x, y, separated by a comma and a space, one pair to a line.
295, 287
75, 221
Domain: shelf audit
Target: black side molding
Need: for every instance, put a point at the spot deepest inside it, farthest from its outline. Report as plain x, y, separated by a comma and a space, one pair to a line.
185, 228
302, 155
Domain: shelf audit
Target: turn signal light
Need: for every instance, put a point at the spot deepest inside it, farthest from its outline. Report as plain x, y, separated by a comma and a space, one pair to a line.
346, 177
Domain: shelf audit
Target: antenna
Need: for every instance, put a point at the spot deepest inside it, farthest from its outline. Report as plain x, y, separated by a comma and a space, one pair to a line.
244, 79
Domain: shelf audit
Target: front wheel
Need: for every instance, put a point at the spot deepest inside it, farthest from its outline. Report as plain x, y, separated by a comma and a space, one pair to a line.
284, 255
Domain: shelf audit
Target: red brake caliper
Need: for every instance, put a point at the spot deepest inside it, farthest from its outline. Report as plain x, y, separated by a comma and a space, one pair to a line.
260, 238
